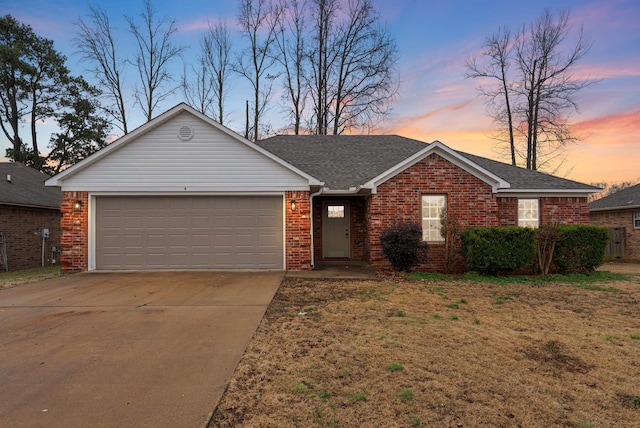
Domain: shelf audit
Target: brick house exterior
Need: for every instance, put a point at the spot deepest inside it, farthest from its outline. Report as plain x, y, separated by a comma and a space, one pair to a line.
334, 197
470, 198
27, 208
620, 211
383, 180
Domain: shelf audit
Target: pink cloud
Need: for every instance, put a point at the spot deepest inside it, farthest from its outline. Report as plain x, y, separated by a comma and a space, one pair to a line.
606, 16
624, 128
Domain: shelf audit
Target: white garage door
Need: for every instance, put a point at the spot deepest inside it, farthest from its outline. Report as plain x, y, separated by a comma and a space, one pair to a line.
189, 232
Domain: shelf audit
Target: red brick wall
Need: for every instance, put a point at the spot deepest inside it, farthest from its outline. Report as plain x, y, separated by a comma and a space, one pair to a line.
508, 211
624, 219
469, 198
399, 199
298, 231
22, 228
74, 232
358, 229
553, 210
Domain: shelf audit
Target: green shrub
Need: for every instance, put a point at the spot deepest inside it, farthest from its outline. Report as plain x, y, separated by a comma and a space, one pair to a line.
580, 247
497, 249
401, 245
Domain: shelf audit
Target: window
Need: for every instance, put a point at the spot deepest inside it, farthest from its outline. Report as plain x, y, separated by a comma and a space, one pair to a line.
528, 213
433, 209
636, 220
335, 211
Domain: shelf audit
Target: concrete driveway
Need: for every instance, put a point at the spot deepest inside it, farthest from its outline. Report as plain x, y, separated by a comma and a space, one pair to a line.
136, 349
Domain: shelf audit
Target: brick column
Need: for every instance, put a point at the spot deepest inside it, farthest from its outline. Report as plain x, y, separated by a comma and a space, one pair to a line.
74, 225
298, 231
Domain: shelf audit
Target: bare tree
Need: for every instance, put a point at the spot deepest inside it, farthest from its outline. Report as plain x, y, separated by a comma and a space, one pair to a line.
353, 66
197, 87
292, 56
97, 46
498, 53
258, 20
366, 80
216, 47
322, 57
538, 78
154, 53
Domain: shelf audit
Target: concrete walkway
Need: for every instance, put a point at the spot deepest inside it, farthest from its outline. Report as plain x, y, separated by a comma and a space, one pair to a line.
336, 270
143, 349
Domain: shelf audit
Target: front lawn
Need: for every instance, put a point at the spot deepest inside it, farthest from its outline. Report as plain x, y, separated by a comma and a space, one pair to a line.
13, 278
443, 352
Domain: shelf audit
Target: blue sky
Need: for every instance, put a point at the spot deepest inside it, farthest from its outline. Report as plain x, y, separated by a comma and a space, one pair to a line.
436, 102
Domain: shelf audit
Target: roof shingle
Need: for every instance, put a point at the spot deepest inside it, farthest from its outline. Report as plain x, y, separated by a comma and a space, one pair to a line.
346, 161
343, 161
623, 199
26, 187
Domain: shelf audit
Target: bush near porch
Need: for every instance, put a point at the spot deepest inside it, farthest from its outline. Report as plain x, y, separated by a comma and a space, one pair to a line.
493, 250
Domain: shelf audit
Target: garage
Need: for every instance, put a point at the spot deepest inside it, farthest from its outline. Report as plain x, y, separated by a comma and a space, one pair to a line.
184, 192
189, 232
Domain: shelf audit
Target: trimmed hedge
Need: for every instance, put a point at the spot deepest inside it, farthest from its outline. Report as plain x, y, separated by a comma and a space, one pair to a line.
491, 250
580, 248
498, 249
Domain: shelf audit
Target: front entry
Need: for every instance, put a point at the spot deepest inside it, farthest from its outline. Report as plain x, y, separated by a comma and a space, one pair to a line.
335, 229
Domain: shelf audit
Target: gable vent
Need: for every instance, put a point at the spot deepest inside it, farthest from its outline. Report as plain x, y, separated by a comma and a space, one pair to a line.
185, 133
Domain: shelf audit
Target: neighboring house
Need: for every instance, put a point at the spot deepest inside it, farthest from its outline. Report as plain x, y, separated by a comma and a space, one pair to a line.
28, 212
182, 191
620, 212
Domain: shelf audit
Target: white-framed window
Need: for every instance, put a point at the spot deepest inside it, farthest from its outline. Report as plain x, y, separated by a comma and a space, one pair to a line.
433, 208
636, 219
528, 213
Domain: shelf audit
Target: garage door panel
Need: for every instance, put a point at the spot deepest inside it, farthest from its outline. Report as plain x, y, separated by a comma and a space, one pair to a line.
175, 232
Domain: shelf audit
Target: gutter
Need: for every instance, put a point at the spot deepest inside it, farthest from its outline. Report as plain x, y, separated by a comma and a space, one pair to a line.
619, 208
547, 192
357, 190
19, 205
313, 254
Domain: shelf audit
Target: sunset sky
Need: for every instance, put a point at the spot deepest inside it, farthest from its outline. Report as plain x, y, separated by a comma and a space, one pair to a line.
436, 101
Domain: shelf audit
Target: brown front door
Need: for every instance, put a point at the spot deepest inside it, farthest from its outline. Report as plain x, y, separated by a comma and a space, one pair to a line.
335, 229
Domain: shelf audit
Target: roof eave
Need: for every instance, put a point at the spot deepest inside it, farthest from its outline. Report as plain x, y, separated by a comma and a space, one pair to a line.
555, 192
444, 151
356, 190
40, 207
618, 208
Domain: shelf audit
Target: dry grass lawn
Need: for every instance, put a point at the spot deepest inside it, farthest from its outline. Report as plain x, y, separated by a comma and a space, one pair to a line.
12, 278
455, 353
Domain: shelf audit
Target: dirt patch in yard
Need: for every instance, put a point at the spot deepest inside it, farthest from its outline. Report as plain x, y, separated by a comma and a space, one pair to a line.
451, 354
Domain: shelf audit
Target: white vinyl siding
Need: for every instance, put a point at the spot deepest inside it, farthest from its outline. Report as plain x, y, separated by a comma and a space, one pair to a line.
528, 213
433, 208
210, 161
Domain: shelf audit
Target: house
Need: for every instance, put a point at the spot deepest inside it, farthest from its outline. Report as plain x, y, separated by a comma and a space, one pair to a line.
182, 192
29, 218
620, 212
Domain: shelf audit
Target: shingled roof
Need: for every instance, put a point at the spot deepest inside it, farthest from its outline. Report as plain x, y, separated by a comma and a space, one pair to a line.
346, 161
24, 186
526, 179
343, 161
628, 198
